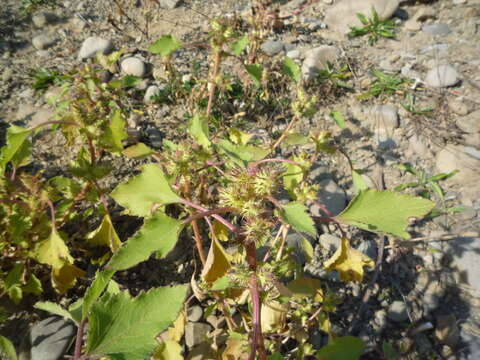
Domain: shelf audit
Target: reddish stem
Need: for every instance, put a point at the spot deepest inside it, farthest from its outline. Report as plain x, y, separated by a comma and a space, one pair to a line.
79, 340
227, 223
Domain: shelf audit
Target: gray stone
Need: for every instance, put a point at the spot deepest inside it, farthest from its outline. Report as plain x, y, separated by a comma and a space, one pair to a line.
458, 107
7, 74
50, 338
330, 242
369, 248
295, 241
272, 47
472, 151
436, 29
465, 253
169, 4
194, 313
133, 66
331, 196
93, 45
383, 120
152, 90
470, 123
43, 41
196, 333
341, 16
417, 145
472, 342
454, 157
441, 76
397, 311
318, 58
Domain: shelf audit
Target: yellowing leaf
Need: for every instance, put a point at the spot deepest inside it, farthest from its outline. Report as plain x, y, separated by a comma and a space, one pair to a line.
236, 349
105, 235
138, 151
220, 231
168, 350
53, 251
342, 348
65, 277
176, 331
273, 316
348, 262
306, 287
218, 262
239, 137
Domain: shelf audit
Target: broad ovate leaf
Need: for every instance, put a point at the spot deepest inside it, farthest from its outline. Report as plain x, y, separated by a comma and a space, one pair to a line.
239, 137
296, 215
292, 69
138, 151
64, 278
102, 279
217, 264
158, 234
105, 235
124, 327
342, 348
7, 350
255, 72
242, 154
16, 137
55, 309
53, 251
115, 133
349, 262
385, 211
198, 129
240, 45
168, 350
164, 46
306, 287
358, 181
220, 231
273, 316
142, 192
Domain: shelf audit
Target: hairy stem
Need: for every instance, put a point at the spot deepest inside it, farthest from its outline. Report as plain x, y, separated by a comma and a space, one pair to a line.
216, 69
198, 242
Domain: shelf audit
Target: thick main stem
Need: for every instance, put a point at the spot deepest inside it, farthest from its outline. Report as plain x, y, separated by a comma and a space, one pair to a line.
257, 336
213, 81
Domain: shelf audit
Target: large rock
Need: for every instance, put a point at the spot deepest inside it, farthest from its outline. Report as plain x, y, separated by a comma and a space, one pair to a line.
50, 338
465, 254
93, 45
343, 14
454, 157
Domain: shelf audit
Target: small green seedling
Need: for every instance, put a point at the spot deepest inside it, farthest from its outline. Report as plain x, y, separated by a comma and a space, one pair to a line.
374, 28
43, 78
413, 110
385, 84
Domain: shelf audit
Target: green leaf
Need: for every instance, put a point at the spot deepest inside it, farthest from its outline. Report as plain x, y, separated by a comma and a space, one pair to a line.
105, 235
358, 181
292, 69
138, 151
255, 72
164, 46
75, 310
168, 350
296, 139
33, 286
116, 133
53, 251
129, 81
389, 351
139, 194
16, 136
55, 309
102, 279
7, 350
342, 348
292, 177
276, 356
158, 234
384, 211
198, 129
339, 119
242, 154
125, 327
240, 45
14, 277
295, 214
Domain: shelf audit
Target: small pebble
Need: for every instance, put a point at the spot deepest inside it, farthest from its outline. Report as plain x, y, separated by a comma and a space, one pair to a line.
436, 29
43, 41
442, 76
133, 66
93, 45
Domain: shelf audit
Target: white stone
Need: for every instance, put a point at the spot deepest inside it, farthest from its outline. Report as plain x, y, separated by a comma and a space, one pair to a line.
169, 4
341, 16
413, 25
40, 19
43, 41
441, 76
294, 54
133, 66
93, 45
152, 90
318, 58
